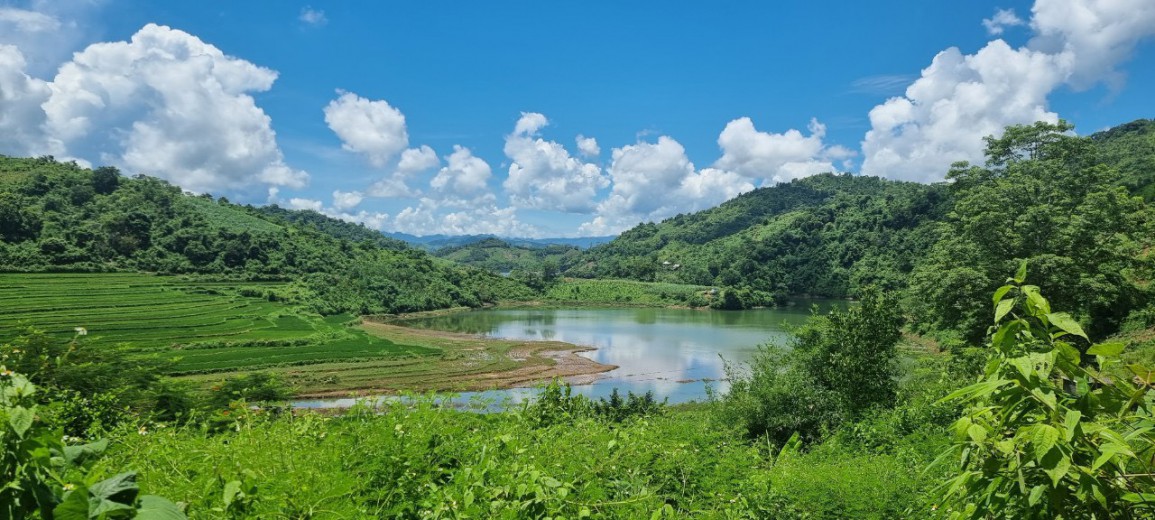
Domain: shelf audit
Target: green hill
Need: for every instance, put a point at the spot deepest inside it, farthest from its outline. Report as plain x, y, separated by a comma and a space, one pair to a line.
58, 217
499, 256
825, 235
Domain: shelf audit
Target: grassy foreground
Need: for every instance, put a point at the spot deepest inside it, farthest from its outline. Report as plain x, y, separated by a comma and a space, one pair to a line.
423, 461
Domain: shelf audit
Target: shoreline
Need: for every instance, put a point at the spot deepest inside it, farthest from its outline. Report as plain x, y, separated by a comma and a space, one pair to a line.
533, 362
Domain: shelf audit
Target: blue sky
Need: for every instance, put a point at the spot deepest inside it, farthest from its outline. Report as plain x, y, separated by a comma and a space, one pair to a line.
464, 117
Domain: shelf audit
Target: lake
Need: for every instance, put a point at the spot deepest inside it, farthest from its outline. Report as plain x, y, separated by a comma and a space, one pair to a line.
675, 353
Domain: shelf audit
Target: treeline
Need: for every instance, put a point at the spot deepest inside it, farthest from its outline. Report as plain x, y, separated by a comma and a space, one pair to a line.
60, 217
1067, 204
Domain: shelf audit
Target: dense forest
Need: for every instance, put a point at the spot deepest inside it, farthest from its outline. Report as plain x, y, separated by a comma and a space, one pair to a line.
997, 364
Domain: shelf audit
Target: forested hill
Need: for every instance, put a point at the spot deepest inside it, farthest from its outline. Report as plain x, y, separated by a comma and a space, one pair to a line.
500, 256
59, 217
823, 235
1130, 148
830, 235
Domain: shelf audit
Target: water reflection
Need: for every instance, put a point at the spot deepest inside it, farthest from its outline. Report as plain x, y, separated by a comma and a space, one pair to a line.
675, 353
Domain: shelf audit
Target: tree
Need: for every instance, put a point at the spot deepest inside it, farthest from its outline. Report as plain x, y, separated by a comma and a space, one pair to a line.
1042, 197
840, 367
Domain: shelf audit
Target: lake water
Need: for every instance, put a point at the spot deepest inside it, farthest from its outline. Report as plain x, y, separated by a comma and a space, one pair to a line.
675, 353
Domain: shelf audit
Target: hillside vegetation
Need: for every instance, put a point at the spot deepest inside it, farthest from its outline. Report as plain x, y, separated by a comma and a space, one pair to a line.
58, 217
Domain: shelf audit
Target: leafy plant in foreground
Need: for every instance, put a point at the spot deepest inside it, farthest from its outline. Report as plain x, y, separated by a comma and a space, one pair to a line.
1045, 433
44, 478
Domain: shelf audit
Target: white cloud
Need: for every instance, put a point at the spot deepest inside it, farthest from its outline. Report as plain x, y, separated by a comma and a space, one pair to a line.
305, 204
1093, 36
313, 16
529, 123
27, 21
588, 146
372, 220
428, 219
413, 161
169, 105
652, 181
371, 128
960, 98
417, 160
773, 157
1002, 19
343, 200
46, 32
543, 175
464, 179
20, 112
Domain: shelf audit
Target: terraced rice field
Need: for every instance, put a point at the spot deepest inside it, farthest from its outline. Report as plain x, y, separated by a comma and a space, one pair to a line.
205, 327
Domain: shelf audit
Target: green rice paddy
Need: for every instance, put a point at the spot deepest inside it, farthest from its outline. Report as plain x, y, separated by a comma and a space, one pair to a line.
204, 327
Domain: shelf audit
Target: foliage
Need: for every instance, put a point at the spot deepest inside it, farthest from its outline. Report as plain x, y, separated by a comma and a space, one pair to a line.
59, 217
826, 235
1046, 197
46, 478
1045, 433
500, 256
627, 292
257, 387
839, 367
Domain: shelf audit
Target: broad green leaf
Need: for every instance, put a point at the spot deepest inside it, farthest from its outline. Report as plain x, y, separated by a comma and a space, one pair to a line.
1025, 366
1036, 494
20, 419
1109, 451
1070, 422
1001, 292
74, 506
117, 493
1002, 308
1056, 467
1021, 274
1107, 349
1068, 324
1140, 498
975, 390
1043, 439
1147, 375
977, 433
1068, 353
78, 455
1036, 303
153, 507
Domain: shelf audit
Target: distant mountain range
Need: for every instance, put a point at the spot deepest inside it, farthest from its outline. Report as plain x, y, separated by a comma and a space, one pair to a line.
435, 242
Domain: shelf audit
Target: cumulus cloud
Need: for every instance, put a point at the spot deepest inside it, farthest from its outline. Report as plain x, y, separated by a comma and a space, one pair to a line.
417, 160
343, 200
543, 175
774, 157
313, 16
371, 128
20, 100
428, 218
960, 97
46, 32
372, 220
169, 105
464, 179
1092, 36
588, 146
652, 181
1002, 19
413, 161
